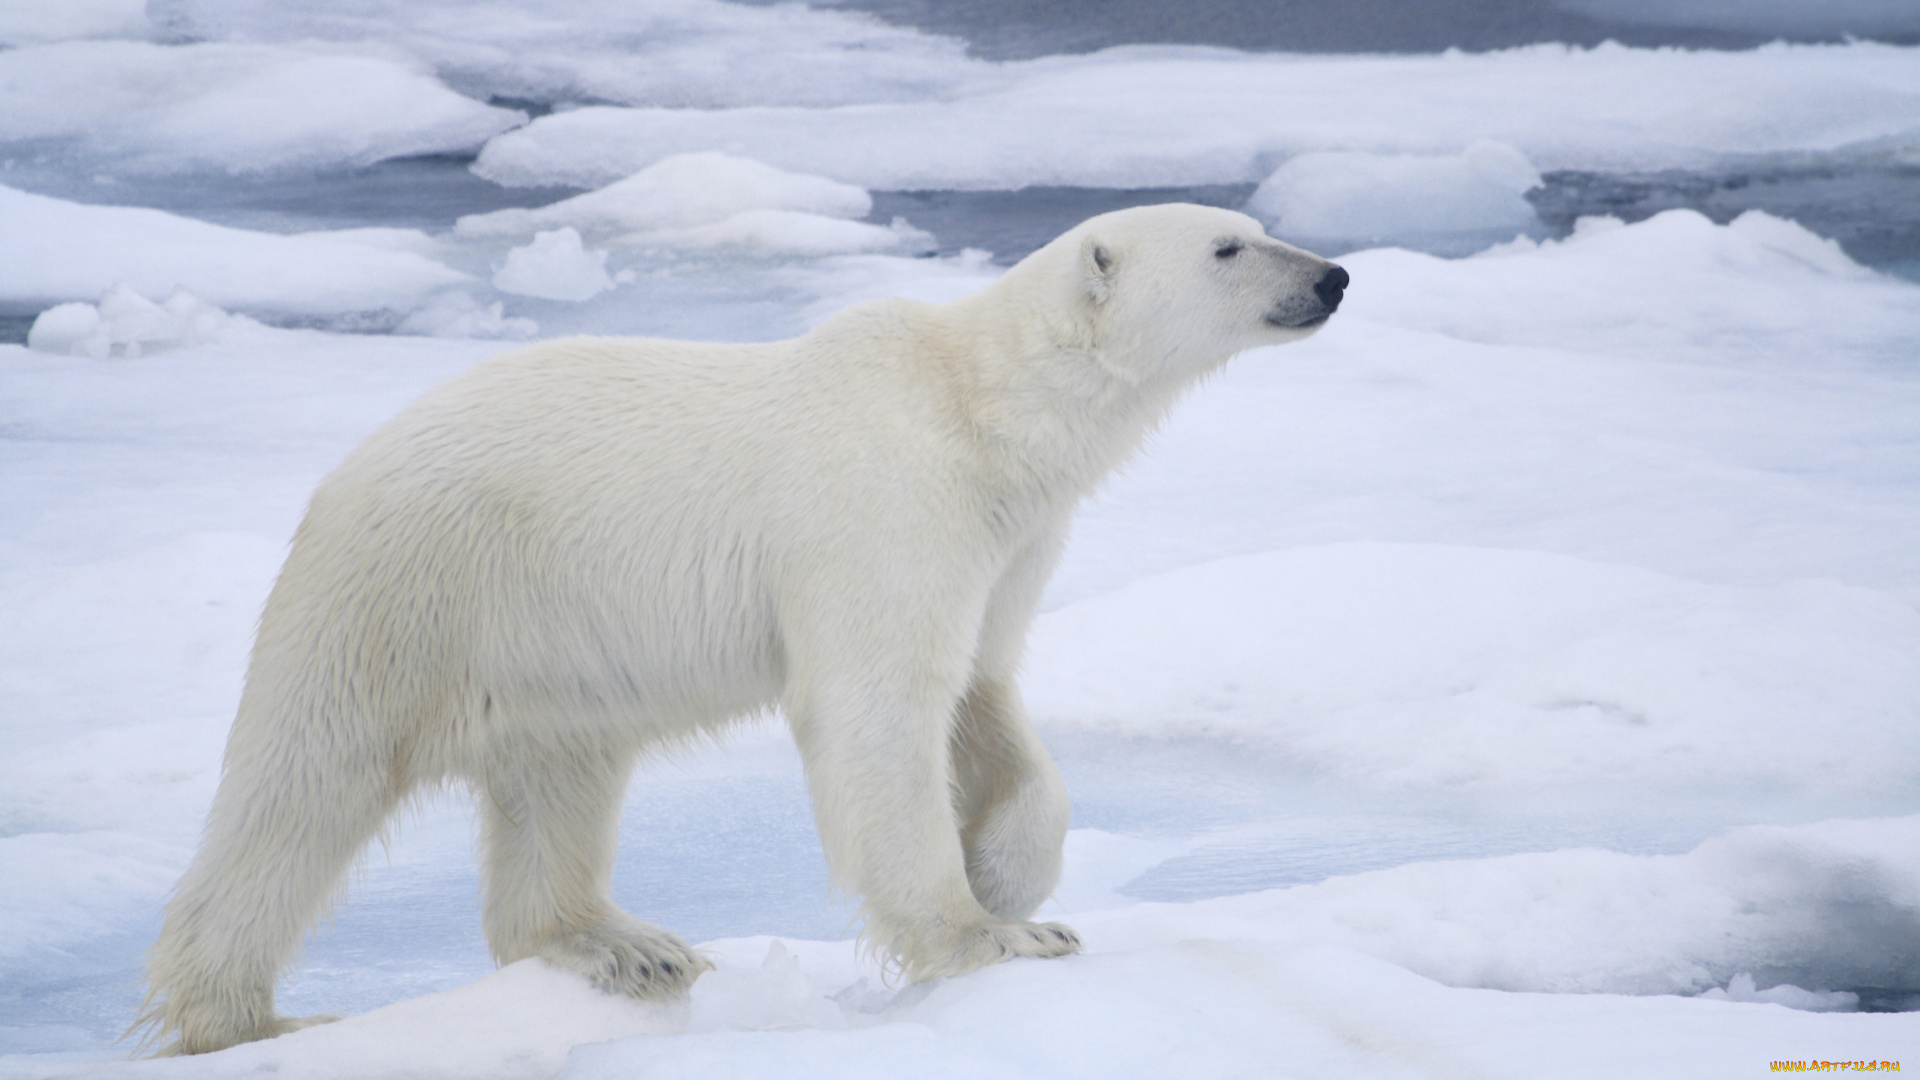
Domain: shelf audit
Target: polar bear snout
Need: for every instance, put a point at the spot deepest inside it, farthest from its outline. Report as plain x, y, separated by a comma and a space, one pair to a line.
1331, 287
1298, 311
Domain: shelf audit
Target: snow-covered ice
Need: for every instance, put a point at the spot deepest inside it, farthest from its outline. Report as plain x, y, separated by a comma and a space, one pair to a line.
228, 107
59, 251
705, 201
1520, 678
681, 53
1165, 117
679, 192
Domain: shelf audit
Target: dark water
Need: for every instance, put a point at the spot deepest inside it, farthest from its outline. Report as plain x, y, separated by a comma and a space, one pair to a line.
1020, 29
1872, 210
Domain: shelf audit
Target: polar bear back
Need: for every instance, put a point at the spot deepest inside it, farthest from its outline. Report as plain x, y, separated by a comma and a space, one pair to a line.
623, 523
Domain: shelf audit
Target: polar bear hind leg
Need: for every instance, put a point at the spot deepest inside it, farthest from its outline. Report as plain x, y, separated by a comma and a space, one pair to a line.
551, 813
296, 805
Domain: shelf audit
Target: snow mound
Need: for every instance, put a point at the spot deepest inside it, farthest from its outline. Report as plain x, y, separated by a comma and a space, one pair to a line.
555, 266
1755, 290
1834, 904
1172, 117
1428, 665
124, 320
517, 1023
681, 192
1345, 196
680, 53
61, 251
147, 108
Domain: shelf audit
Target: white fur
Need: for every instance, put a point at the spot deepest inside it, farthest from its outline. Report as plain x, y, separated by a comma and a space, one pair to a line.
591, 546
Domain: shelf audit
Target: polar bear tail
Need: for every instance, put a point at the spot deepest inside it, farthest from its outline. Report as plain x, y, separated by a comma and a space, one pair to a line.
309, 778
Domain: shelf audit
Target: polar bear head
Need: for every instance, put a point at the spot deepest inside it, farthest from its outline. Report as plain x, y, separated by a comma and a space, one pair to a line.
1171, 291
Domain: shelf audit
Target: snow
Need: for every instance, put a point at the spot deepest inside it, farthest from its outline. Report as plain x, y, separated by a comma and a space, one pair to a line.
62, 251
1518, 678
1161, 116
141, 107
1409, 664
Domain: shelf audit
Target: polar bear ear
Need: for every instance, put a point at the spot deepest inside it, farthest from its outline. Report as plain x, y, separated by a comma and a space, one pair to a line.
1096, 268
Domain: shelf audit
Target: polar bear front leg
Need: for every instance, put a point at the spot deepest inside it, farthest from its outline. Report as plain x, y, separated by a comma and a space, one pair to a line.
877, 761
552, 814
1012, 804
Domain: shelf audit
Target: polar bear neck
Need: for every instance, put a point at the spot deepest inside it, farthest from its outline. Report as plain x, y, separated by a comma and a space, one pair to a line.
1046, 397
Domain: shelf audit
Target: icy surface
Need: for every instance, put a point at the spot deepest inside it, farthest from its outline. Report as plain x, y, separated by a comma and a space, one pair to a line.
680, 53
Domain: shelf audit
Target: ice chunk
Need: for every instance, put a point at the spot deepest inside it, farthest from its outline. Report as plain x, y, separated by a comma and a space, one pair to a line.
680, 192
1759, 291
63, 251
786, 232
458, 315
555, 266
1741, 988
1334, 196
142, 107
126, 322
69, 328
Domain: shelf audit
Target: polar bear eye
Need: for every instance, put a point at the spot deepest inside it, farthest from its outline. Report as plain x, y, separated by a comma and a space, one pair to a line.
1227, 249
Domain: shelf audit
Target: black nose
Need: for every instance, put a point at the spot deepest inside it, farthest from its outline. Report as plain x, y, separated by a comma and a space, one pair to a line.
1332, 286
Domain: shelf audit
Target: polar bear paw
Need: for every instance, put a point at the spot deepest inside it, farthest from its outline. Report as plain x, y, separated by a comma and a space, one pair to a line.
206, 1041
998, 941
623, 955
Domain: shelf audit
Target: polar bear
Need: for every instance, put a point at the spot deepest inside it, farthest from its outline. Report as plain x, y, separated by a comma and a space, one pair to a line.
594, 546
